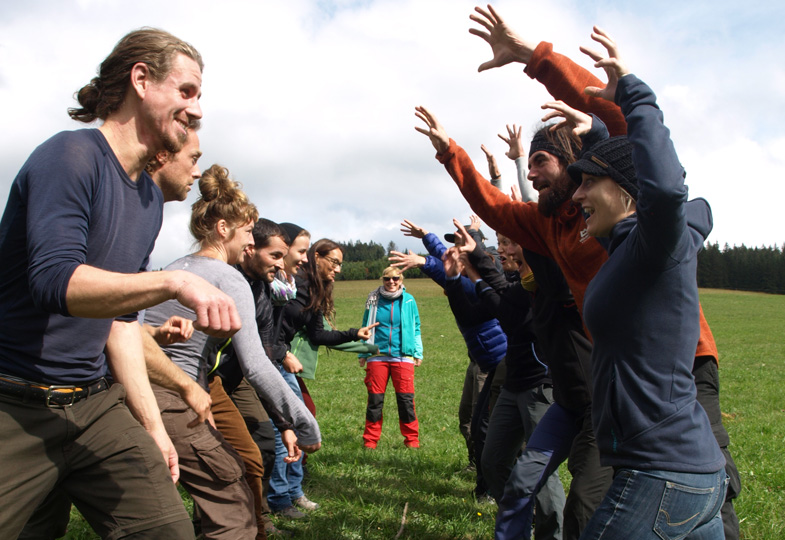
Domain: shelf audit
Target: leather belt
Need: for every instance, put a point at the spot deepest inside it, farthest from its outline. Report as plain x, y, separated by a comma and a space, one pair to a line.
55, 395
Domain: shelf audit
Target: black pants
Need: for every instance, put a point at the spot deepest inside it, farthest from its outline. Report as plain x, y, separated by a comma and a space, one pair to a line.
707, 381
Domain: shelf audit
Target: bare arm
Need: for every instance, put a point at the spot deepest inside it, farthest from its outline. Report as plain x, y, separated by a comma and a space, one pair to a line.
96, 293
125, 357
163, 372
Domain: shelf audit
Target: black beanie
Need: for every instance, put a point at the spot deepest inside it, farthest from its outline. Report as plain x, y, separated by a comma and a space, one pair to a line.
291, 230
540, 141
611, 157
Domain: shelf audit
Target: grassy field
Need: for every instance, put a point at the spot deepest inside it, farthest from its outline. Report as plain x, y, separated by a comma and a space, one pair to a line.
364, 494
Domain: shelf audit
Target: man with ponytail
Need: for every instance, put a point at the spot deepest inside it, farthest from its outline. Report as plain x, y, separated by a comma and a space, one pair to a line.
77, 232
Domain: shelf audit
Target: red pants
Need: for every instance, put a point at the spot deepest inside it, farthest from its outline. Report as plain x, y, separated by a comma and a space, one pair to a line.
377, 373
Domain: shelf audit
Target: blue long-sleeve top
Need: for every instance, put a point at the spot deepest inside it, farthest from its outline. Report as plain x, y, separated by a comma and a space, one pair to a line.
642, 311
72, 203
434, 267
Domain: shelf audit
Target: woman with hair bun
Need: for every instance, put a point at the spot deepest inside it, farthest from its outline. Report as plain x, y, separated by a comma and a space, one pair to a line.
222, 221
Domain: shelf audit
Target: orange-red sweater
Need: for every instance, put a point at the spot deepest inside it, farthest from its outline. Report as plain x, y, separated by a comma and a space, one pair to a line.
562, 237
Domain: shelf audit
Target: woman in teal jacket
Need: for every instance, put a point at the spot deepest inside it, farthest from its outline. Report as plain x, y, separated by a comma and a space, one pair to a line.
400, 351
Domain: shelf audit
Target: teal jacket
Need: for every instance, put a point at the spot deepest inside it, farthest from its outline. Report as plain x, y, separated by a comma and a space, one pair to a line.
401, 312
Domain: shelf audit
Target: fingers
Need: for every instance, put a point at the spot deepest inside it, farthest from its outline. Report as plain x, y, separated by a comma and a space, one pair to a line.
593, 91
486, 18
496, 17
484, 35
425, 115
591, 53
174, 466
601, 36
486, 151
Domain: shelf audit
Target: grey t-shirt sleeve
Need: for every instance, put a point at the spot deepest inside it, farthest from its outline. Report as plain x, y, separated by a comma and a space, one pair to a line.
257, 367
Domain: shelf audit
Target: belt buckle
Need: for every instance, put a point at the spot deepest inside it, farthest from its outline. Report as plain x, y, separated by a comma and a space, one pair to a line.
55, 387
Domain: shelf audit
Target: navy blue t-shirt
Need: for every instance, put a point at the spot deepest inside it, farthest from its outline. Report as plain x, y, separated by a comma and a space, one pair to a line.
71, 204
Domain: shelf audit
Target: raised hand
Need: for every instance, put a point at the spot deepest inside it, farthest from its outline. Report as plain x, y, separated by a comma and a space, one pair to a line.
435, 131
474, 222
410, 229
493, 167
506, 44
515, 193
613, 65
467, 241
405, 261
452, 264
514, 140
579, 122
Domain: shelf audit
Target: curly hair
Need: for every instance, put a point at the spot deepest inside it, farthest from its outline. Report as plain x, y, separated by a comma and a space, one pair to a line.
221, 198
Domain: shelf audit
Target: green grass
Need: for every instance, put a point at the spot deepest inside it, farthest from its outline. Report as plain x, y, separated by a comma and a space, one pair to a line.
363, 493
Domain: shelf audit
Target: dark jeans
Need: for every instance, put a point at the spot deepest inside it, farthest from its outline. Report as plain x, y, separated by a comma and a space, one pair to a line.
656, 505
561, 434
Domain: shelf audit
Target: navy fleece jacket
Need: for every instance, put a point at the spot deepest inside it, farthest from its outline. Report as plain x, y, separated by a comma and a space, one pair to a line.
642, 310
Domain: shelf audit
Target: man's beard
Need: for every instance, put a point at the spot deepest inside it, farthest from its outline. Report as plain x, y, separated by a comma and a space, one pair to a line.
555, 196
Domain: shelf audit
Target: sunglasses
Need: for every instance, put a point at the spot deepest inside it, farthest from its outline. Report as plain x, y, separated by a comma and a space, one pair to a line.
392, 278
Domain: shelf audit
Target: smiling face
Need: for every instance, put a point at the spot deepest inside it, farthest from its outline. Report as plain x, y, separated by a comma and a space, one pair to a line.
510, 253
604, 203
263, 263
297, 254
172, 104
179, 171
392, 280
236, 242
330, 264
549, 177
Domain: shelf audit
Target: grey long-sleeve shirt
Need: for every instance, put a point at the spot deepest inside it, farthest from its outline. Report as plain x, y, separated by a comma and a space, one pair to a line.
192, 356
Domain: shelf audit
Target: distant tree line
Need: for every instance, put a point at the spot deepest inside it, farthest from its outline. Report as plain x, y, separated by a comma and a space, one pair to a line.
742, 268
363, 260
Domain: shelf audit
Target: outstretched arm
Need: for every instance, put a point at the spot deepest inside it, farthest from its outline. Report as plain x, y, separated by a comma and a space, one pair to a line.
524, 191
493, 168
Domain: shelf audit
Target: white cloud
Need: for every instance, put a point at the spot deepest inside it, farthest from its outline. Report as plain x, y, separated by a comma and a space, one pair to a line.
310, 104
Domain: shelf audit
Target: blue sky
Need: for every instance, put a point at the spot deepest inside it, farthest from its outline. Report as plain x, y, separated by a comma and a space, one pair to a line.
310, 103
